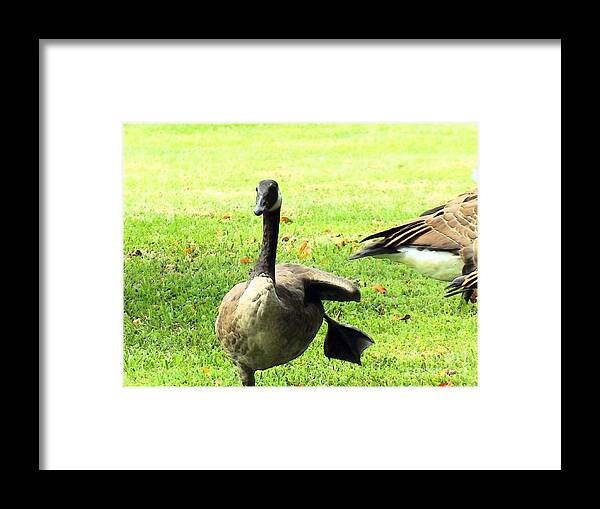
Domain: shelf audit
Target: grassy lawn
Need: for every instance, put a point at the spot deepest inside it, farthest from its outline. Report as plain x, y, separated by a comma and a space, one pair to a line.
188, 200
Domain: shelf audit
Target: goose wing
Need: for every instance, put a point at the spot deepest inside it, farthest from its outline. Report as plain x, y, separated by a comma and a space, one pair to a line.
449, 227
459, 199
463, 284
317, 283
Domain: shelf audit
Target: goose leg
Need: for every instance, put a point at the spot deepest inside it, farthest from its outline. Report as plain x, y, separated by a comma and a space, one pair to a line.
247, 376
467, 295
345, 342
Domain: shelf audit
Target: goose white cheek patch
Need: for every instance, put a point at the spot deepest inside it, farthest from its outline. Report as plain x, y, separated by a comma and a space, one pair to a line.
277, 203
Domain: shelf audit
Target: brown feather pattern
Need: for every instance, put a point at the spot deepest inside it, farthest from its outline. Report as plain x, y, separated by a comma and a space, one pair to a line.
291, 314
450, 227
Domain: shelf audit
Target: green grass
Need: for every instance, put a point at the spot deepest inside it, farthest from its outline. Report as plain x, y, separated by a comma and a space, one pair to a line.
339, 181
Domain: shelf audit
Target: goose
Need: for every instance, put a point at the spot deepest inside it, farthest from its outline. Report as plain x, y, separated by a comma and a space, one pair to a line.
273, 317
441, 243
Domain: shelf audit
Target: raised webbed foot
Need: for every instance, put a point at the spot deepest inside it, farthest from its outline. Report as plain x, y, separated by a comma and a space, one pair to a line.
345, 342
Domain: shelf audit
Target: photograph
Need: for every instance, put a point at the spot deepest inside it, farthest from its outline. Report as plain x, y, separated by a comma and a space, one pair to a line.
300, 254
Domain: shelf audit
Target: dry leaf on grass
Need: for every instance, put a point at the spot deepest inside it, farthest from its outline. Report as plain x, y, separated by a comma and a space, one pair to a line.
448, 372
206, 371
284, 219
304, 251
285, 239
398, 317
226, 216
245, 260
137, 252
188, 250
446, 384
379, 289
136, 321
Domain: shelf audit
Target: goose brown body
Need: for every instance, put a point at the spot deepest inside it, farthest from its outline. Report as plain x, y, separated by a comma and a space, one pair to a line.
262, 324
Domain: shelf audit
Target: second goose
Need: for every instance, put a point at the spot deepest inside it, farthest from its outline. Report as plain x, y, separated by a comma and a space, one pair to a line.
441, 243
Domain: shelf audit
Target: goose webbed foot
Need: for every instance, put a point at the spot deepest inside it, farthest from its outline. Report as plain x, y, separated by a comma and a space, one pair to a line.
345, 342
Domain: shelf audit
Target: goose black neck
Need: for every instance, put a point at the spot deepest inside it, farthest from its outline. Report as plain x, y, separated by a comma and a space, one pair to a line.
268, 252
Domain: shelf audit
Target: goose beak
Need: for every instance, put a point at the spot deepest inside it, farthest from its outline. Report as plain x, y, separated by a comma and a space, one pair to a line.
259, 210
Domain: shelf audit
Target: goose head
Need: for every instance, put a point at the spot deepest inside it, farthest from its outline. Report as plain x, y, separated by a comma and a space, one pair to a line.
268, 197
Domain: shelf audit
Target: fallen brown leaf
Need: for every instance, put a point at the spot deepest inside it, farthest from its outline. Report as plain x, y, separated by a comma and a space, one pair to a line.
285, 239
226, 216
284, 219
137, 252
136, 321
379, 288
398, 317
446, 384
245, 260
448, 372
188, 250
304, 251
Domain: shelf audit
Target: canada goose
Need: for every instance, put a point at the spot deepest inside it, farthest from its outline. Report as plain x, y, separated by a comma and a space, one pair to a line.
272, 318
441, 243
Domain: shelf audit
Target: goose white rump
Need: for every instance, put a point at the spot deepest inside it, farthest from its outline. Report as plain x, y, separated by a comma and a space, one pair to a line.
442, 265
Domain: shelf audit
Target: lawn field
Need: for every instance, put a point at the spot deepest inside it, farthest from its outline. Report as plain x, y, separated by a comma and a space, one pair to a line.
188, 228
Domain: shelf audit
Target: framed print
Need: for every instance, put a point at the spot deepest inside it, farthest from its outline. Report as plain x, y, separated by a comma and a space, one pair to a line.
281, 241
